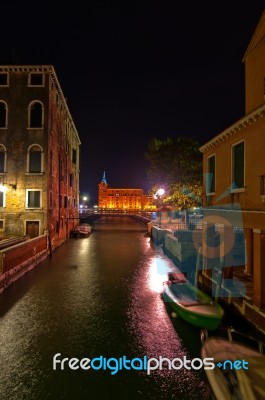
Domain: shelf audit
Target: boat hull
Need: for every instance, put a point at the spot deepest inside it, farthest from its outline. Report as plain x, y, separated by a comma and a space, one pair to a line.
248, 382
193, 306
81, 231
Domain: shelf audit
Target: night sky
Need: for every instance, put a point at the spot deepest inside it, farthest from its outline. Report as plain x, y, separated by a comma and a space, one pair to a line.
135, 71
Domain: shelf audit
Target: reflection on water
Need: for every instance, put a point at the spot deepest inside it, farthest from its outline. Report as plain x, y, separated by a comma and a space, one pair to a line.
95, 296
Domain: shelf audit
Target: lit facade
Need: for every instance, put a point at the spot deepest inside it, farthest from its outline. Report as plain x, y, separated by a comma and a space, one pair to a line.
39, 155
122, 199
235, 165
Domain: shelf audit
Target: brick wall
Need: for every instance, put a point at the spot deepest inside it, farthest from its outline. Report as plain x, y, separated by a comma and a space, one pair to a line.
22, 253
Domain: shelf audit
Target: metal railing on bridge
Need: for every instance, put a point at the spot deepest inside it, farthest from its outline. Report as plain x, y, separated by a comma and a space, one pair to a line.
83, 213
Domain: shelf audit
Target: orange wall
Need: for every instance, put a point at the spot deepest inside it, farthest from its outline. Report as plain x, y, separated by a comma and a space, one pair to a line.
254, 137
254, 75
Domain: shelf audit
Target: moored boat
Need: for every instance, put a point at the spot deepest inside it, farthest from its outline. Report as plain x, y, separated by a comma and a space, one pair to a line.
82, 230
239, 372
192, 304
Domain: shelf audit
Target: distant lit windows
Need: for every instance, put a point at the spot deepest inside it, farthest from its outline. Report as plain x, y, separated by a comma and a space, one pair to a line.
210, 177
4, 79
238, 165
35, 159
3, 114
33, 198
36, 79
36, 115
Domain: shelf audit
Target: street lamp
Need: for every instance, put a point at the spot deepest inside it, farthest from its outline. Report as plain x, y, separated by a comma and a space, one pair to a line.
160, 192
85, 201
159, 202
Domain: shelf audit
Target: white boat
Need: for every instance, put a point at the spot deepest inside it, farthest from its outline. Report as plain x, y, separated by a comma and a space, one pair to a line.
81, 230
239, 372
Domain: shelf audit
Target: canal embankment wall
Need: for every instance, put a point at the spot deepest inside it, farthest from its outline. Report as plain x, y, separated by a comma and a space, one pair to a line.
20, 258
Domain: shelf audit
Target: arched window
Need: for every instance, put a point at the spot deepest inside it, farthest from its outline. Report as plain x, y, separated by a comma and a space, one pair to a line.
36, 115
35, 159
2, 159
3, 114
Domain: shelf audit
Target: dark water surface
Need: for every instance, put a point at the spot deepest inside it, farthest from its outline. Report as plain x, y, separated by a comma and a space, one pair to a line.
98, 296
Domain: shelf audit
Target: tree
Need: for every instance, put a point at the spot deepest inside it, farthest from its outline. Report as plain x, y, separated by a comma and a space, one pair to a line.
185, 196
176, 165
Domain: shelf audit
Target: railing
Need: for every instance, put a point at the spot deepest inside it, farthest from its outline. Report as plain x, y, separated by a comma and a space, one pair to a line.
166, 219
83, 213
176, 221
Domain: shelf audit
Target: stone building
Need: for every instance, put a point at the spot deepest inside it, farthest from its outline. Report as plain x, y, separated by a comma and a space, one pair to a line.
39, 155
122, 198
234, 165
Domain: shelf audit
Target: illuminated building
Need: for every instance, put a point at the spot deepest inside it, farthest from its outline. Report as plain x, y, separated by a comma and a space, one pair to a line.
122, 198
39, 155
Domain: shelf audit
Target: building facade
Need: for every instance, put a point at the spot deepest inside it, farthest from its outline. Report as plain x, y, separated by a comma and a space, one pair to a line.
234, 167
39, 155
123, 198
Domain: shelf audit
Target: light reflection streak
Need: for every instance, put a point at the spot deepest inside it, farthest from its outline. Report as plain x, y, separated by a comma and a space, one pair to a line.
157, 274
148, 316
151, 325
159, 268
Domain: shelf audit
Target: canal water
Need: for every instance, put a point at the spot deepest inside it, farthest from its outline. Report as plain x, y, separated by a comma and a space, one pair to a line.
97, 298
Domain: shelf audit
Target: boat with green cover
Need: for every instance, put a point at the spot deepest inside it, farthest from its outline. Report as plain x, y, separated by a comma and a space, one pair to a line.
192, 304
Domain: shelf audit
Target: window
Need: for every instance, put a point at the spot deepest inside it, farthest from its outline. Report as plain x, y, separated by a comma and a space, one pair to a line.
4, 81
3, 115
2, 225
36, 79
238, 165
2, 198
36, 115
74, 156
33, 197
262, 185
32, 228
2, 159
71, 180
210, 178
35, 159
61, 169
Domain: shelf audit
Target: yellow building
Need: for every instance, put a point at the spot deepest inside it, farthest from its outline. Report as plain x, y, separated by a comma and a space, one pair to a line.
234, 165
121, 198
